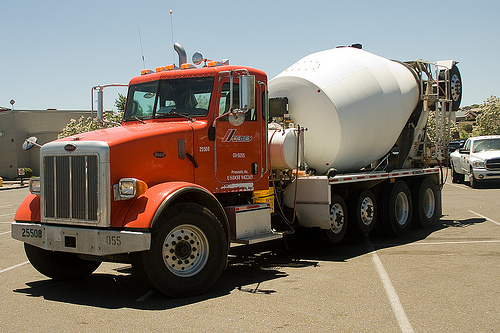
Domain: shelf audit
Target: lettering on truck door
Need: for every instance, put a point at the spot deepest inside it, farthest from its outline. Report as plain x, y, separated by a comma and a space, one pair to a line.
238, 149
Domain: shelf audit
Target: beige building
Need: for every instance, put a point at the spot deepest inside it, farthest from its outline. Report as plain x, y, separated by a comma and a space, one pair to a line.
17, 125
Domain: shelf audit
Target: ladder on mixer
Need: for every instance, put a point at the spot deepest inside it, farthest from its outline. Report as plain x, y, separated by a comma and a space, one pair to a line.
436, 96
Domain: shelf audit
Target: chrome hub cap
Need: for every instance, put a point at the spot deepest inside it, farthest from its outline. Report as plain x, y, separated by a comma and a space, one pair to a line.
185, 250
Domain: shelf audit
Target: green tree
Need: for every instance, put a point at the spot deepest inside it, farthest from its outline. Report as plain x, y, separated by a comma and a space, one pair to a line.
466, 128
87, 124
488, 122
431, 128
82, 125
120, 102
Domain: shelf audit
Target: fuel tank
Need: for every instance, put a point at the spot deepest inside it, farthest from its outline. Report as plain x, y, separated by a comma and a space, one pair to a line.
353, 103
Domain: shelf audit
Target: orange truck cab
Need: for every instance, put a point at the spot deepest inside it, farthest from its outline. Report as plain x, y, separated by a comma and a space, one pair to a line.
185, 147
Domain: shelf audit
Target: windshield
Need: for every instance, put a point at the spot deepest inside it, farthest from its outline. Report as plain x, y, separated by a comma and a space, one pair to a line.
169, 98
485, 145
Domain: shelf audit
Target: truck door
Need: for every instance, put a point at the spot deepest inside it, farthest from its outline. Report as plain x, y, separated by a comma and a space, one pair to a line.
464, 158
238, 149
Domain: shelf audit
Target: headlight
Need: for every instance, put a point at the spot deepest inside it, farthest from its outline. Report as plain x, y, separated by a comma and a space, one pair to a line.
478, 164
35, 185
128, 188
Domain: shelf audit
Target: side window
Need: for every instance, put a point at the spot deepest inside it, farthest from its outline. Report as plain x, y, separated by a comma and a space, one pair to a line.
224, 103
143, 100
467, 145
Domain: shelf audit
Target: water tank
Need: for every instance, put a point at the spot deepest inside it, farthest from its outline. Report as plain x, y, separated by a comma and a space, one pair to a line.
353, 103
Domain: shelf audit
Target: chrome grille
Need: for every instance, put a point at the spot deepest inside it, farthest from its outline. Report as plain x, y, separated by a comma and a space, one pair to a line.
70, 187
493, 164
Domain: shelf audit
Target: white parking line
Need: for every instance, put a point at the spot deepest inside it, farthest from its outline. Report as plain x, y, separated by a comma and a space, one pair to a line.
7, 214
3, 233
12, 267
437, 243
397, 307
484, 217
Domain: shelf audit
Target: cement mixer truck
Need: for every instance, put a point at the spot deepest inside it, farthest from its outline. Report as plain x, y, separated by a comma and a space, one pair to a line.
212, 155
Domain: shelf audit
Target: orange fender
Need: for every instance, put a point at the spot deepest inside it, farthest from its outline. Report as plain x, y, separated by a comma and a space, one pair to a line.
148, 207
29, 210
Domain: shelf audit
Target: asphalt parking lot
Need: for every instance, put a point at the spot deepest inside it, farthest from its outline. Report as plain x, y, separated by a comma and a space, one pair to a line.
445, 278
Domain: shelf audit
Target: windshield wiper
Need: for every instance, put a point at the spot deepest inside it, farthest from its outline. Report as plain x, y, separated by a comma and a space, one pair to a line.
135, 118
139, 120
173, 113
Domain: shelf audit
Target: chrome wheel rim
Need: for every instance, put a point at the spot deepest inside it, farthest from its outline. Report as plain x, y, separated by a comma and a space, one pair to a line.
402, 208
367, 211
185, 250
336, 218
429, 203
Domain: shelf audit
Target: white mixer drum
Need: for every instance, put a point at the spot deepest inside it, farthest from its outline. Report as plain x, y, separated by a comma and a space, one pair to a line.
354, 105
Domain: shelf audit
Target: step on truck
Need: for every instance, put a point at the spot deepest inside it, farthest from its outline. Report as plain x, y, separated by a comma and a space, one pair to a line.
211, 155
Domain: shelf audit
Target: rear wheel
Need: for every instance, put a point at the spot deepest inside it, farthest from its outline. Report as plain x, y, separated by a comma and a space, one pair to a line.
363, 211
455, 176
338, 220
188, 252
59, 265
425, 203
397, 209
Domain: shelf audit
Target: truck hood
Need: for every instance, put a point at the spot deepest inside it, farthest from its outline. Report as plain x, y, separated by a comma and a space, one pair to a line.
486, 155
120, 135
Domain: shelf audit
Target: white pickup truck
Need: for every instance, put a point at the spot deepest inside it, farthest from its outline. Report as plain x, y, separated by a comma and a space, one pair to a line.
479, 159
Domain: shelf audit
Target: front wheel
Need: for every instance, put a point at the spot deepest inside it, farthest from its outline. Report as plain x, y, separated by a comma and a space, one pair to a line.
59, 265
188, 251
473, 180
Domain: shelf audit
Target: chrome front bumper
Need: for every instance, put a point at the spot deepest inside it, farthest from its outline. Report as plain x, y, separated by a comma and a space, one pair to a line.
96, 242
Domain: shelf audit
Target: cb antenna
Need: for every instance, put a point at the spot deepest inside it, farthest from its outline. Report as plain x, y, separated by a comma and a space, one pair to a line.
172, 31
142, 52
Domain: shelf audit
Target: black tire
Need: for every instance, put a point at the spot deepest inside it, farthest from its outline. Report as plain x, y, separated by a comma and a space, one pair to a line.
363, 211
396, 209
457, 178
59, 265
424, 203
454, 87
474, 183
338, 220
140, 271
188, 251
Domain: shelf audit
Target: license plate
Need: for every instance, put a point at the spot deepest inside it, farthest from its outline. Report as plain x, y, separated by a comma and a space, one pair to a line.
30, 232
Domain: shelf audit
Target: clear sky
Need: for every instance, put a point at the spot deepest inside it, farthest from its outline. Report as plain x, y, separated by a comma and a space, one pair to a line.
54, 52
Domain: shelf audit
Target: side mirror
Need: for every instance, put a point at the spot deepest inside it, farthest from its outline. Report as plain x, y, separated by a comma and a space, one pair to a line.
464, 151
247, 92
30, 143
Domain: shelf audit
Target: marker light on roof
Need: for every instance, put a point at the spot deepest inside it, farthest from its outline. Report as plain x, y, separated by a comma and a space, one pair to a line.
146, 71
186, 66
